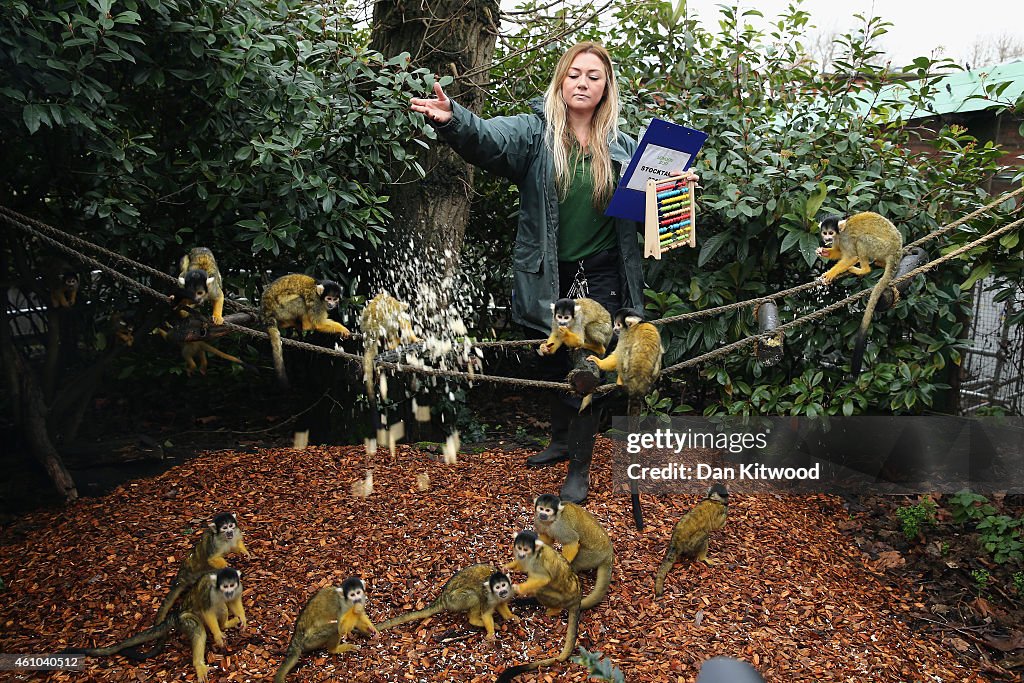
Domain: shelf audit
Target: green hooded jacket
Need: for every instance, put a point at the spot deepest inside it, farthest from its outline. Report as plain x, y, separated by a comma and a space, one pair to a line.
513, 147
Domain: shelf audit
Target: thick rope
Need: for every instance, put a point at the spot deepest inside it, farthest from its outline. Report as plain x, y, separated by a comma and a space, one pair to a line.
134, 284
14, 218
402, 367
839, 304
7, 216
939, 232
748, 303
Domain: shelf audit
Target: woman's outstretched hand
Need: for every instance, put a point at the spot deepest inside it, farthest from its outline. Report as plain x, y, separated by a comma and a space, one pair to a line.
437, 109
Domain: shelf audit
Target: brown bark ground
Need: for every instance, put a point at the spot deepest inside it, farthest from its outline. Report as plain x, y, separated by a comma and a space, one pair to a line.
792, 594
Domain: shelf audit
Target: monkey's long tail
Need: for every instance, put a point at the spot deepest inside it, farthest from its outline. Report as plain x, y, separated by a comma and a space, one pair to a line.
369, 376
601, 583
277, 351
291, 660
159, 631
180, 585
663, 570
876, 293
209, 348
634, 405
570, 644
428, 611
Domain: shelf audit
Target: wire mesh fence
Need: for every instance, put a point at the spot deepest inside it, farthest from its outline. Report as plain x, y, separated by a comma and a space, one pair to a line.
992, 375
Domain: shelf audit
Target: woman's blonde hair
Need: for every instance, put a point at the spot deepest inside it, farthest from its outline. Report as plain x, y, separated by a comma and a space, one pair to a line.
603, 125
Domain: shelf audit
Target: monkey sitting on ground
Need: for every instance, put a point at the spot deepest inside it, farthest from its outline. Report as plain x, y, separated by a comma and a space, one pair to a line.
690, 535
327, 619
554, 584
478, 589
298, 300
200, 279
384, 321
207, 606
63, 285
585, 543
861, 239
222, 537
578, 323
637, 355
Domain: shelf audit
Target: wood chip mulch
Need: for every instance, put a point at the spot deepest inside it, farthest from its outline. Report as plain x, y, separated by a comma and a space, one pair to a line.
791, 594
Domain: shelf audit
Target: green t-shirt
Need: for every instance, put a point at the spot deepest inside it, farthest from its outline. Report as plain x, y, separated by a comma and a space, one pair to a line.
582, 230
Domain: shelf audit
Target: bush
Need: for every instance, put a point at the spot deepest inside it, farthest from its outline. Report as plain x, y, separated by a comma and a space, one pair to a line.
786, 141
914, 517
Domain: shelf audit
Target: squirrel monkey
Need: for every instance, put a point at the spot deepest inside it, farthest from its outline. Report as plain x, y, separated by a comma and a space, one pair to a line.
207, 606
222, 537
327, 619
121, 330
384, 320
200, 278
690, 534
585, 543
194, 353
862, 239
63, 285
554, 584
478, 589
578, 323
298, 300
637, 356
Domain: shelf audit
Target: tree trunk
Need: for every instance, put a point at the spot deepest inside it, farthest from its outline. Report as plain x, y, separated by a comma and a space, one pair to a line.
450, 38
22, 385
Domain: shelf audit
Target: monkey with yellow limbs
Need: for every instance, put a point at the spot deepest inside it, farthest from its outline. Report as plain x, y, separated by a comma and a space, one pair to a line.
690, 535
201, 280
479, 590
862, 239
327, 619
298, 300
578, 323
63, 284
207, 606
555, 586
585, 543
384, 320
637, 355
221, 537
193, 350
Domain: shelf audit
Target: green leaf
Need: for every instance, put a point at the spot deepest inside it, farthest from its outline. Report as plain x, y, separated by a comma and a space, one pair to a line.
791, 239
33, 115
979, 273
814, 202
711, 247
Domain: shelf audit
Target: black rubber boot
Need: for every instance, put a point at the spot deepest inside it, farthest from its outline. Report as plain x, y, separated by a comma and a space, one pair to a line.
558, 449
582, 432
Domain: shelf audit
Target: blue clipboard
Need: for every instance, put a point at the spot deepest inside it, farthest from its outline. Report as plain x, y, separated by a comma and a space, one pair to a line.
664, 147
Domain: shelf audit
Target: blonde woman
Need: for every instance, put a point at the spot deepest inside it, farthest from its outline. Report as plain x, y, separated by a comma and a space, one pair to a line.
566, 157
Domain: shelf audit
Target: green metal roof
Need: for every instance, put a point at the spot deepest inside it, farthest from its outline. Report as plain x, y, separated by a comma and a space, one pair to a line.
955, 93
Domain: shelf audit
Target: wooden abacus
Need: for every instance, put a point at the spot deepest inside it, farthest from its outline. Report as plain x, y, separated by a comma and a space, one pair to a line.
671, 215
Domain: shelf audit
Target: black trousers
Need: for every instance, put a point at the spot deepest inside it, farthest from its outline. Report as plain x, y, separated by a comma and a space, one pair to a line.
601, 272
604, 285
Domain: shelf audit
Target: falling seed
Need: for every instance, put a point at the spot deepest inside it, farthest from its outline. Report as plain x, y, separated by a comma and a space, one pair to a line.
422, 481
363, 488
451, 448
300, 440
